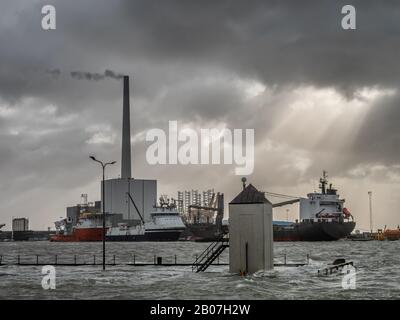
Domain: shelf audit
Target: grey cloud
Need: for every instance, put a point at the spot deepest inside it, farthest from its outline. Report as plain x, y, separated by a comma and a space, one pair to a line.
378, 139
184, 59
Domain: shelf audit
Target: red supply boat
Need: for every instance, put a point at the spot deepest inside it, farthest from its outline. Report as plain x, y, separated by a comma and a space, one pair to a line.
88, 228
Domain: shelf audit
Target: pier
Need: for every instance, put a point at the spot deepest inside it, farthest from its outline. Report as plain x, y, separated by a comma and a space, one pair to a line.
112, 260
75, 260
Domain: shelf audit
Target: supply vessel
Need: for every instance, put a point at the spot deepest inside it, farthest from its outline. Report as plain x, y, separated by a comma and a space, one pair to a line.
165, 225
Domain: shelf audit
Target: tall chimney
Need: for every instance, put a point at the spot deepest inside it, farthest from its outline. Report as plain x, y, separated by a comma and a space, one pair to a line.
126, 134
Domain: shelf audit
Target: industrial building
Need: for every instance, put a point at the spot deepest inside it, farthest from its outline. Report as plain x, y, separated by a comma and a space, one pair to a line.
20, 224
120, 193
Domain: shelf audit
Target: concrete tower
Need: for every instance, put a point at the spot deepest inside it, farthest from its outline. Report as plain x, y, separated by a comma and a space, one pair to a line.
117, 191
126, 171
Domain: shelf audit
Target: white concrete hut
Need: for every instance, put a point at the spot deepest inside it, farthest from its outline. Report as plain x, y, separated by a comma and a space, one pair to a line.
250, 232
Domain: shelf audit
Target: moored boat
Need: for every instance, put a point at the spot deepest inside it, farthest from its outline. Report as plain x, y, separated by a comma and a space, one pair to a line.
88, 228
165, 225
323, 217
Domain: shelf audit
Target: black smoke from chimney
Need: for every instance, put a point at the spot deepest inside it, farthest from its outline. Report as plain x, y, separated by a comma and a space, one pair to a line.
81, 75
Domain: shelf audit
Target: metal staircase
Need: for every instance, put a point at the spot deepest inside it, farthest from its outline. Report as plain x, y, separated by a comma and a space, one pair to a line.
209, 255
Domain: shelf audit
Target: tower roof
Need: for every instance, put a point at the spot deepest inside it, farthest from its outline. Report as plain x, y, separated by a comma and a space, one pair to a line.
250, 195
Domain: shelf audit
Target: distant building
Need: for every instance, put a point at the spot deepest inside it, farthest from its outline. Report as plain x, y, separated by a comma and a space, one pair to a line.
20, 224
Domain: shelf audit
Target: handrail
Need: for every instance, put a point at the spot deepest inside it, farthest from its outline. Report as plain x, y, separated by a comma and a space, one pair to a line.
205, 254
209, 248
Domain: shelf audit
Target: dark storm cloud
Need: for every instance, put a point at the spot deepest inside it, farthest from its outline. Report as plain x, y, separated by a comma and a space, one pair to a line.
280, 42
287, 42
185, 59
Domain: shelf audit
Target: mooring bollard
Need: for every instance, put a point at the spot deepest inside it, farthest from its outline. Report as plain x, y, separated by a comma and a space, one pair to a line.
159, 260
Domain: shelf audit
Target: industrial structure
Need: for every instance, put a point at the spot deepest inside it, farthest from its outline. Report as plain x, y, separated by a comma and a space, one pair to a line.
20, 224
120, 193
194, 197
128, 208
202, 213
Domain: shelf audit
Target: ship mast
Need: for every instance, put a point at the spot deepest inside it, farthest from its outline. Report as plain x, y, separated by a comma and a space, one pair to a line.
323, 181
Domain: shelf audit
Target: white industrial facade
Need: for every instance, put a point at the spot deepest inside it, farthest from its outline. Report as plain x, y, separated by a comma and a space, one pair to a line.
143, 192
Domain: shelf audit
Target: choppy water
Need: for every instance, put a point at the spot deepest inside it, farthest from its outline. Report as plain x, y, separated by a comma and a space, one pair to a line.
378, 272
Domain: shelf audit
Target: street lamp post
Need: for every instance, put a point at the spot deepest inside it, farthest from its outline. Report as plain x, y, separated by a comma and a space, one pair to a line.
370, 211
103, 165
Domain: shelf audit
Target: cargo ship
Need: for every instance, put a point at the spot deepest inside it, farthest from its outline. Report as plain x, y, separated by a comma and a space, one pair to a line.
165, 225
323, 217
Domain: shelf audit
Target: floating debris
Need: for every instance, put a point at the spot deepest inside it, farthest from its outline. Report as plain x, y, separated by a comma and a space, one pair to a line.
336, 266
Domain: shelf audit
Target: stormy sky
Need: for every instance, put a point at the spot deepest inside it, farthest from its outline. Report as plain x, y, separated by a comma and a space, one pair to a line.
318, 97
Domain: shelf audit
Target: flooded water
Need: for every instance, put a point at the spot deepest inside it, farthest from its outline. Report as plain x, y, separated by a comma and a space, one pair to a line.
377, 275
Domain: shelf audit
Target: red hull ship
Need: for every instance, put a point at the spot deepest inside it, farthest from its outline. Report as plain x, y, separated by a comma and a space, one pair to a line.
88, 228
81, 234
